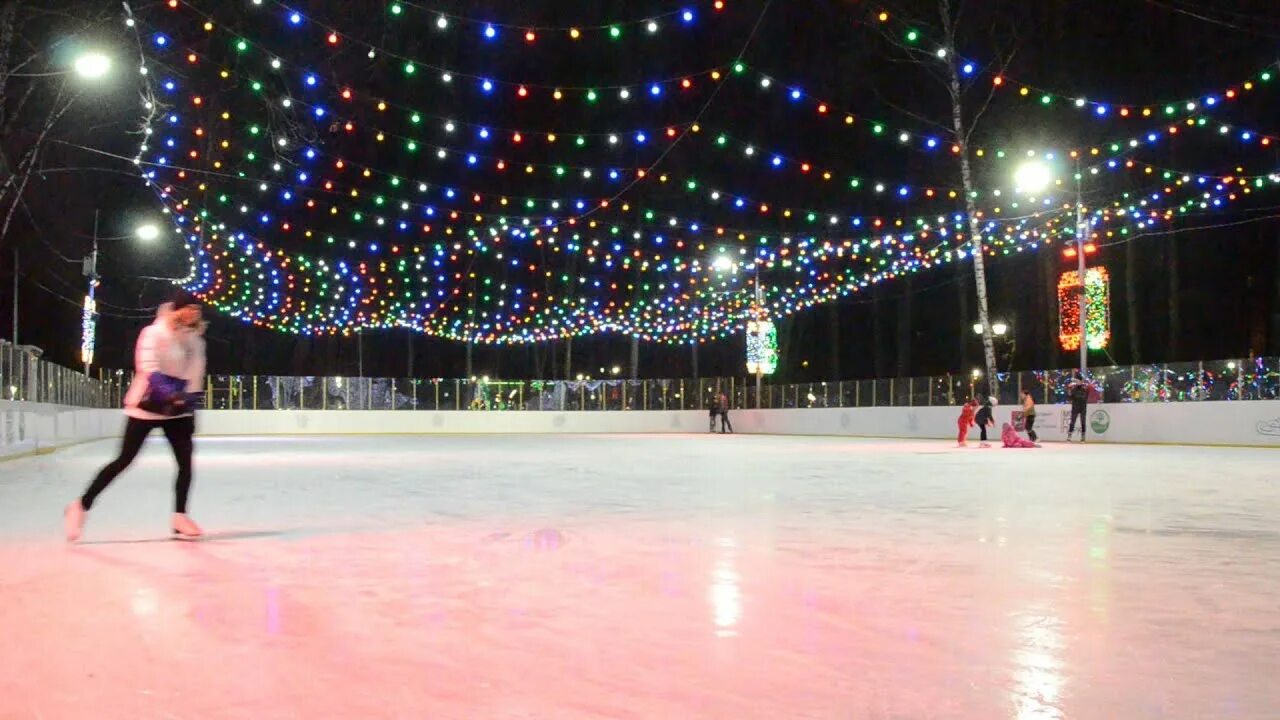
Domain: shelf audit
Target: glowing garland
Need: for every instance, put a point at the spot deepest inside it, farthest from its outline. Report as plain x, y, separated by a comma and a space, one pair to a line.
970, 68
529, 34
923, 142
413, 68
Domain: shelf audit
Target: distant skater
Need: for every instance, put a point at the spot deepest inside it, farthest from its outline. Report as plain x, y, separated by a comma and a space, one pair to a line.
985, 419
1079, 394
965, 421
169, 364
1029, 415
723, 404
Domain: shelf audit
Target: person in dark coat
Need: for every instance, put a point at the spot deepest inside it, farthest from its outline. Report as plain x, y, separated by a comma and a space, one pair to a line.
985, 418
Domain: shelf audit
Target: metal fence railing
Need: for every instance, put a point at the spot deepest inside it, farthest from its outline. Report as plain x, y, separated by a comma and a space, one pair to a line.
24, 377
1253, 379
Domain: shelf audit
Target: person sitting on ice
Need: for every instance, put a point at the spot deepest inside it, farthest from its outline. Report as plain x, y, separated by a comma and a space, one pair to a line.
965, 421
1012, 439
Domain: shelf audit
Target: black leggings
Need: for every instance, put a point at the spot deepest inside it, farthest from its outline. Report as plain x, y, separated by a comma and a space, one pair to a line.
724, 421
1031, 424
1077, 411
983, 428
177, 430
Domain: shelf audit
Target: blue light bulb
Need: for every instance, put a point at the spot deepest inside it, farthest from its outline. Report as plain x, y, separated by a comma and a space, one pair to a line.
687, 16
295, 18
490, 32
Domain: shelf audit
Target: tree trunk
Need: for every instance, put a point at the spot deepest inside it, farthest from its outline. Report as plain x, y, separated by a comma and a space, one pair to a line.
833, 340
965, 325
694, 353
409, 355
966, 177
904, 328
635, 358
1275, 306
1052, 320
1131, 302
1175, 303
877, 334
468, 370
568, 358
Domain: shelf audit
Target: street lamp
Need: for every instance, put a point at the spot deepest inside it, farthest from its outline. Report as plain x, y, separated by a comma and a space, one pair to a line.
998, 329
1033, 177
147, 232
92, 65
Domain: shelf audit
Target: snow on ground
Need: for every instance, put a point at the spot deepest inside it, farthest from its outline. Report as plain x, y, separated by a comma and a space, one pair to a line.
646, 577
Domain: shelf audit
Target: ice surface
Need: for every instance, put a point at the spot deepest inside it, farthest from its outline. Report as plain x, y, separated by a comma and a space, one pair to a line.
646, 577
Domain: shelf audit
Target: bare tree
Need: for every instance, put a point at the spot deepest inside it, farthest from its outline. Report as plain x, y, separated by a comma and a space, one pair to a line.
967, 103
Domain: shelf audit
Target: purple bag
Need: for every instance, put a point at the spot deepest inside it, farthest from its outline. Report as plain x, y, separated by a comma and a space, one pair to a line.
165, 395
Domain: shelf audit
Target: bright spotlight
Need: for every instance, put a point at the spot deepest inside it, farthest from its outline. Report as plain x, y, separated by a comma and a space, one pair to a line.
148, 232
1032, 177
92, 65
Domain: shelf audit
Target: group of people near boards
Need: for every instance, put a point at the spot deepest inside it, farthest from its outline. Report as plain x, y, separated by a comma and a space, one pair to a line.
981, 414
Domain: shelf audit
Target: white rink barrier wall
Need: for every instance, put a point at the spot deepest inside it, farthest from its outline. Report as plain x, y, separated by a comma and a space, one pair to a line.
27, 428
1249, 423
422, 422
1252, 423
36, 427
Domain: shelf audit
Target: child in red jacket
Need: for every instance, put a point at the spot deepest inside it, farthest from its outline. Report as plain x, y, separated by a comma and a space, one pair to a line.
965, 421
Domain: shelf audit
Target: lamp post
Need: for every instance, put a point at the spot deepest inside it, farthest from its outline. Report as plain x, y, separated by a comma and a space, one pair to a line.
88, 65
146, 232
1033, 177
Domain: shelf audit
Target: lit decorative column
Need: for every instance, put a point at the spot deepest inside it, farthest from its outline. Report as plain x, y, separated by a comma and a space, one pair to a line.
1098, 323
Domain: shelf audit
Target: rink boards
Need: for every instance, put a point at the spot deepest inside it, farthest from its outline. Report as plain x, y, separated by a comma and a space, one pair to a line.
32, 427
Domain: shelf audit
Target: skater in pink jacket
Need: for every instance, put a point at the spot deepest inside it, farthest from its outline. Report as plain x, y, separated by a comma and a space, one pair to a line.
1011, 438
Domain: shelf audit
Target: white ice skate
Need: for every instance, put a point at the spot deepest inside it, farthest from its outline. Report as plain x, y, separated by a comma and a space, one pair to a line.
73, 521
184, 528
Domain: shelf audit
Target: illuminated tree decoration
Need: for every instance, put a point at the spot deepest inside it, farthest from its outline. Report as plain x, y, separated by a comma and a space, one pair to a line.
762, 346
1098, 285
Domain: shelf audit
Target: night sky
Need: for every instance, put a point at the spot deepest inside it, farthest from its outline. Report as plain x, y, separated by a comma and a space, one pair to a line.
1204, 286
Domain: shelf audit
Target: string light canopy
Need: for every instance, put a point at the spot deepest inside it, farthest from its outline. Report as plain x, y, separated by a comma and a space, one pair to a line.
321, 196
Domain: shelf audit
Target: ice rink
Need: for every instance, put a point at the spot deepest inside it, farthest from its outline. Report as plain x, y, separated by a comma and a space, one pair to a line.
566, 577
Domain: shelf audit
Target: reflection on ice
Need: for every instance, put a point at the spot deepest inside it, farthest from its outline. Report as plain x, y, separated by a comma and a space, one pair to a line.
726, 598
